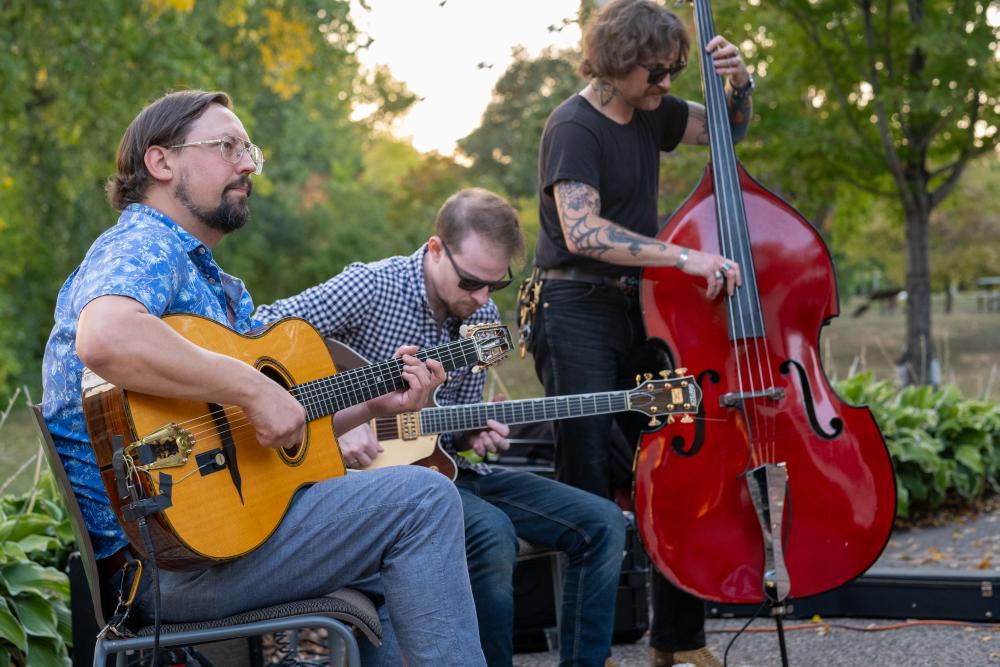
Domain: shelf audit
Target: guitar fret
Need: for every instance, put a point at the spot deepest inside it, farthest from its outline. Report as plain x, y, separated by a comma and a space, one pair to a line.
331, 394
474, 416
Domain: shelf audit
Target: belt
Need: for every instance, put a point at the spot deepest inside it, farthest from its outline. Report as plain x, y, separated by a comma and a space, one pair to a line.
627, 284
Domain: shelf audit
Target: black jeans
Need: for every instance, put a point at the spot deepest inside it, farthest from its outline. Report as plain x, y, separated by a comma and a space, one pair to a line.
590, 338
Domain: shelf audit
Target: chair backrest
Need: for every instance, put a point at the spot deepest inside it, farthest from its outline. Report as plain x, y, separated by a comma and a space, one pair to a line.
83, 543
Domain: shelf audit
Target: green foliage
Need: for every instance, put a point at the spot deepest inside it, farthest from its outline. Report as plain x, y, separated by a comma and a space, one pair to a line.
940, 442
35, 541
75, 74
504, 148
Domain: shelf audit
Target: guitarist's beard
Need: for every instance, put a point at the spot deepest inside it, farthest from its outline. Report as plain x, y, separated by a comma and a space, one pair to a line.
229, 215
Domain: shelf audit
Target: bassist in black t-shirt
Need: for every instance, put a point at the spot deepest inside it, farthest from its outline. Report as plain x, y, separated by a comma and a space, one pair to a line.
598, 184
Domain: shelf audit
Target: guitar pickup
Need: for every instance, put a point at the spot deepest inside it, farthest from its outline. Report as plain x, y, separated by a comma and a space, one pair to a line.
210, 462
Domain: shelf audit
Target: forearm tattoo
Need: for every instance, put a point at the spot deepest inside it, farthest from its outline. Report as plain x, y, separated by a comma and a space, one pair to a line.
699, 120
579, 209
740, 112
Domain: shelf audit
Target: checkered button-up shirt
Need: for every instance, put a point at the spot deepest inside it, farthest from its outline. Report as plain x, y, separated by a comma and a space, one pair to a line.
377, 307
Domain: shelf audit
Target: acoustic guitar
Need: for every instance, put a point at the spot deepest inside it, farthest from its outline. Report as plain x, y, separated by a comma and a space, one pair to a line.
220, 494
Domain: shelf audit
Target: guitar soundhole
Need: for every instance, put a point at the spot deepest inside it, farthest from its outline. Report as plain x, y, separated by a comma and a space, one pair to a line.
290, 455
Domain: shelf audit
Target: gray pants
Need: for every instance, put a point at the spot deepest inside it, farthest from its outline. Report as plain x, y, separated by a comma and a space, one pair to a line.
401, 526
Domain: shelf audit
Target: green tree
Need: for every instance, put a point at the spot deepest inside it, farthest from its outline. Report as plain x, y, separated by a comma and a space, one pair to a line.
75, 73
895, 100
504, 148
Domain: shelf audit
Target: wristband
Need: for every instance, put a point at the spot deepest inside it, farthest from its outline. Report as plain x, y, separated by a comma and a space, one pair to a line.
682, 258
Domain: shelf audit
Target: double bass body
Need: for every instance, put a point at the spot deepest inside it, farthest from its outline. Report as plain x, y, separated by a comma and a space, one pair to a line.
766, 402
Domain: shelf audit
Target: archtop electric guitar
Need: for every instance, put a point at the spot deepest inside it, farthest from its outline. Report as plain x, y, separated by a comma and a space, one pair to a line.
411, 437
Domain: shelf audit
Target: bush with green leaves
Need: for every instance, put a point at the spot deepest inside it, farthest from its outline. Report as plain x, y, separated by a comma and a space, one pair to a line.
941, 444
35, 540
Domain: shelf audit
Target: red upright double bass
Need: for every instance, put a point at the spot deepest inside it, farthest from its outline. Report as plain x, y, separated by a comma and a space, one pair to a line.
778, 488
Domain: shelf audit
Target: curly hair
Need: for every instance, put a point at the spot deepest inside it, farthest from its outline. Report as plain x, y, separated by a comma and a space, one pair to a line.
628, 32
163, 123
483, 212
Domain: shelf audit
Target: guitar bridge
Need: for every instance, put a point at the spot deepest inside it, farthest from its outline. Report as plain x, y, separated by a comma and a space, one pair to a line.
168, 447
409, 425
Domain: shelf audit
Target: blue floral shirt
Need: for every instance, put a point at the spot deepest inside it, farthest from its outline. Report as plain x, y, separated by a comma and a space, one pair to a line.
149, 258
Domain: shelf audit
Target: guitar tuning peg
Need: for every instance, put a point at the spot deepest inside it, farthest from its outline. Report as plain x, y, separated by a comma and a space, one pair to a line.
463, 330
680, 371
638, 378
686, 419
664, 374
654, 422
647, 376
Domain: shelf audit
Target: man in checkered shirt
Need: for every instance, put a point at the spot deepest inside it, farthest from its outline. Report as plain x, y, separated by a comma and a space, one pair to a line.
423, 299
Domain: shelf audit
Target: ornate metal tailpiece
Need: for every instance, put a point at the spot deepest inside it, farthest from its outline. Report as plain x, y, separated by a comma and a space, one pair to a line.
167, 447
768, 488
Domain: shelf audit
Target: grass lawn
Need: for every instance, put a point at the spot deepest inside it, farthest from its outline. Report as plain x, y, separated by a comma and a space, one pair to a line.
968, 345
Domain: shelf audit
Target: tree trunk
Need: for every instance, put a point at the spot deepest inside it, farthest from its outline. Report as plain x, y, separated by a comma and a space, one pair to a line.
918, 363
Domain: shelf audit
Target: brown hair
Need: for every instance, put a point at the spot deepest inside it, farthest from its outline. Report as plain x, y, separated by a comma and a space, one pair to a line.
165, 122
483, 212
628, 32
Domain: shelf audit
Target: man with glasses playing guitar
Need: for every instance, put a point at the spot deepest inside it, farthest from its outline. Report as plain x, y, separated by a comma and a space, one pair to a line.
184, 179
425, 298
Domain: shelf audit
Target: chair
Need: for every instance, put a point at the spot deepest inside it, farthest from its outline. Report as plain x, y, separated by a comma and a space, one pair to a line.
333, 612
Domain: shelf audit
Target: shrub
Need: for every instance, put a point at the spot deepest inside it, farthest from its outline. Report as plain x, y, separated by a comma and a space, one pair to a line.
940, 442
35, 541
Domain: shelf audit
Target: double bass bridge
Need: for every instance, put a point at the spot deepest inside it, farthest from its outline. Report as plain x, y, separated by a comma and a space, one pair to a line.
734, 399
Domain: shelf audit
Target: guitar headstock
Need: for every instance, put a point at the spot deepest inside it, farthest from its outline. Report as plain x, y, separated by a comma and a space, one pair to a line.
665, 396
492, 341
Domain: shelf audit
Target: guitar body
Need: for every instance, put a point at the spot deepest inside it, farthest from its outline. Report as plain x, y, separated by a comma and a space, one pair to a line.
424, 451
212, 518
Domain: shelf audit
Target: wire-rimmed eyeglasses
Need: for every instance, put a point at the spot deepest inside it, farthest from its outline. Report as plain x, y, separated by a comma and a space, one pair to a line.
232, 150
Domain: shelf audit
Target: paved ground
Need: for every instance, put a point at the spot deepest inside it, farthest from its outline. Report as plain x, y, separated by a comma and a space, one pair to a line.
961, 541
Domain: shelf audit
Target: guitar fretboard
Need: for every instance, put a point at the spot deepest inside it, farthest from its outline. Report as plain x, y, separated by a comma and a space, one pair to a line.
475, 415
326, 396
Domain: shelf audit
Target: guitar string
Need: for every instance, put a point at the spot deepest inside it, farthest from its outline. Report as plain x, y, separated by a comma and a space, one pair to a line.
761, 437
611, 402
314, 389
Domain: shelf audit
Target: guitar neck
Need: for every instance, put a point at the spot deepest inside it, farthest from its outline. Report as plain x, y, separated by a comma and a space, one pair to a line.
475, 415
326, 396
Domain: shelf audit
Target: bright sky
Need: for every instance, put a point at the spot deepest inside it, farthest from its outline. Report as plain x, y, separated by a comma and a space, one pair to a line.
435, 47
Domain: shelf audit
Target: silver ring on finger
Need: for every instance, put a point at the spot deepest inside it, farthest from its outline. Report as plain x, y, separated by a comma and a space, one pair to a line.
718, 274
726, 266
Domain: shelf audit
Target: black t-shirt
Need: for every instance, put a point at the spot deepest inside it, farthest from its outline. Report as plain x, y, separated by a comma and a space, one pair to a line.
622, 162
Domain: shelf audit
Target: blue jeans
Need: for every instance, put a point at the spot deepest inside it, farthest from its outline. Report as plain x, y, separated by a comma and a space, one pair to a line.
399, 525
591, 338
504, 505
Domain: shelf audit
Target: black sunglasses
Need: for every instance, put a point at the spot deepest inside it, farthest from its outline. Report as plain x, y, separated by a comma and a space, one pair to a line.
473, 284
658, 72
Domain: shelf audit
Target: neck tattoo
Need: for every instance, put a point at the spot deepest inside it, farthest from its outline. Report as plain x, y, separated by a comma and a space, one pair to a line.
605, 91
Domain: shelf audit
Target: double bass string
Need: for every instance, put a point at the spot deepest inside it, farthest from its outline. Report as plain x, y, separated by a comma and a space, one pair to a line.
730, 214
